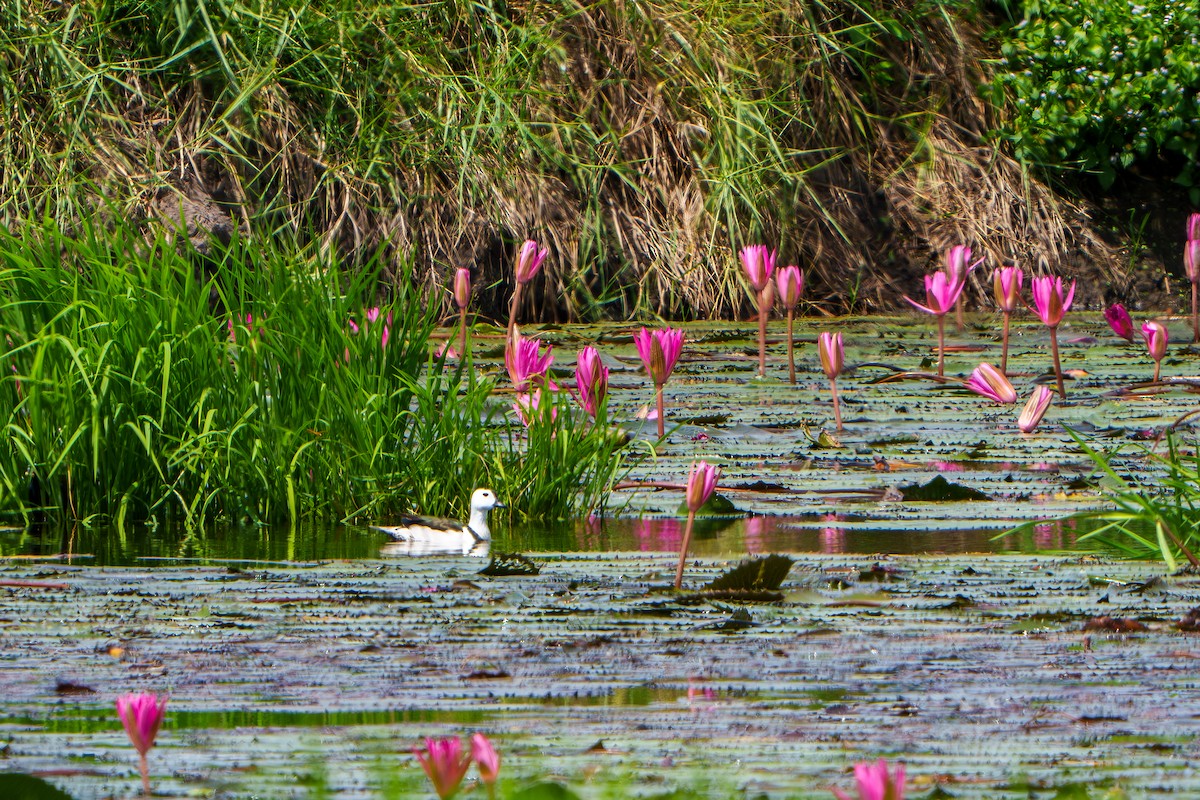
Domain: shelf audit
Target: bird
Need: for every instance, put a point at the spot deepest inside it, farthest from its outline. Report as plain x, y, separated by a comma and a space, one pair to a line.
431, 534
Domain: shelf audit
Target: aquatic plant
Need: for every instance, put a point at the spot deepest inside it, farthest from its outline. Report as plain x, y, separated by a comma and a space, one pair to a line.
1191, 268
1035, 408
446, 764
957, 268
591, 381
529, 407
941, 293
790, 282
527, 365
659, 351
529, 261
876, 782
462, 299
702, 482
829, 348
1051, 303
142, 715
1006, 287
1155, 334
487, 761
990, 382
758, 261
1118, 319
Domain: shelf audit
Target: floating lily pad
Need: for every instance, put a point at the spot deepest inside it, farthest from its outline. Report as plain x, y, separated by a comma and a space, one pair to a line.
938, 490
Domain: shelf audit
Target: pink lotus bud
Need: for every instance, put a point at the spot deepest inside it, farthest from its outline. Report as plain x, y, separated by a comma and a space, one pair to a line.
790, 282
487, 760
462, 287
1006, 285
1049, 300
759, 262
702, 482
1119, 321
142, 715
591, 380
991, 383
1035, 409
874, 782
1155, 334
1191, 258
829, 347
387, 334
353, 326
529, 261
660, 351
445, 763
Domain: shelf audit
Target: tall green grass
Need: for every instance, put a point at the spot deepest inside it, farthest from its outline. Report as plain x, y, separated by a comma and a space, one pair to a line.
141, 384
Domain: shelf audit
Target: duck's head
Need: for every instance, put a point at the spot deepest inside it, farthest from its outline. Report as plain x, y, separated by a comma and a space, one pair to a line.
485, 500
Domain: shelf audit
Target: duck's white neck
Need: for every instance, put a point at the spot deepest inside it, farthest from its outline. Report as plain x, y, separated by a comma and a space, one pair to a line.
479, 523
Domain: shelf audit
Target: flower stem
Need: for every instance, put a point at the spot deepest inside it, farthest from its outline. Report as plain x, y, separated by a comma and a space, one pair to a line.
837, 407
762, 334
683, 549
462, 326
1195, 316
959, 320
791, 348
145, 769
658, 395
1062, 389
941, 345
1004, 347
512, 314
1157, 371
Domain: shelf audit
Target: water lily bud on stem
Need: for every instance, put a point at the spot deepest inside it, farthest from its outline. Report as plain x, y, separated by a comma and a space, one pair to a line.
702, 482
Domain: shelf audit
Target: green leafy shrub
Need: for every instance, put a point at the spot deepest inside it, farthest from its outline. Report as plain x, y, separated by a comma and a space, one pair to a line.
1102, 86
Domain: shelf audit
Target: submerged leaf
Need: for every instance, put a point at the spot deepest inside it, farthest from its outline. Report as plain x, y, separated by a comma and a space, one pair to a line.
503, 564
757, 574
940, 490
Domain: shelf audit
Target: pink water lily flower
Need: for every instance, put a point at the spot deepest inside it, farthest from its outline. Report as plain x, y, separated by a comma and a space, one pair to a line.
758, 260
529, 261
875, 782
1006, 285
445, 763
462, 299
528, 407
487, 761
525, 362
1155, 334
990, 382
1119, 321
659, 351
591, 380
1051, 302
702, 482
1035, 409
832, 354
957, 268
790, 282
142, 715
941, 292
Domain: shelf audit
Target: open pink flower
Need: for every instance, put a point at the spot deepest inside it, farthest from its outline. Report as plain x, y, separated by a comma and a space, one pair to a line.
372, 314
526, 363
445, 763
591, 380
529, 261
528, 406
1035, 409
759, 262
991, 383
702, 482
940, 294
659, 351
875, 782
142, 715
1119, 321
958, 263
1050, 300
487, 760
462, 287
1006, 285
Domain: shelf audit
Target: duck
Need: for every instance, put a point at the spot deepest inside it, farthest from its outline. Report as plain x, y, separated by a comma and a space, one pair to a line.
432, 534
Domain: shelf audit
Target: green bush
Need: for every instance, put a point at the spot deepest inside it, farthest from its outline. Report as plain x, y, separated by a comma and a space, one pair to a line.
1103, 86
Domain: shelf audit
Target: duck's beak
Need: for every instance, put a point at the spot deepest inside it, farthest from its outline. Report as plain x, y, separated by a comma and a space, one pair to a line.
499, 505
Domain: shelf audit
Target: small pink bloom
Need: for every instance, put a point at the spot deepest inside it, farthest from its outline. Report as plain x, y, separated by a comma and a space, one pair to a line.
142, 715
353, 326
874, 782
445, 349
1155, 334
591, 380
372, 314
527, 406
525, 363
829, 347
346, 355
759, 262
529, 261
1035, 409
445, 763
702, 482
487, 760
941, 293
957, 260
387, 334
1119, 321
1006, 285
992, 383
1049, 299
790, 282
462, 287
660, 351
